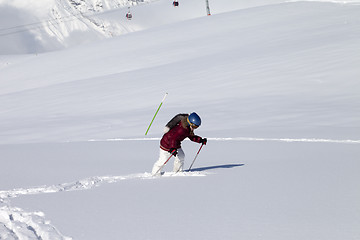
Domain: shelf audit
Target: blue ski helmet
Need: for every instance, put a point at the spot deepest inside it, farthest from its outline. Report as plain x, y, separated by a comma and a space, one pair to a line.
194, 120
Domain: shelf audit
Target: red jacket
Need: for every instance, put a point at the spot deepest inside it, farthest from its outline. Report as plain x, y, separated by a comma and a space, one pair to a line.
174, 137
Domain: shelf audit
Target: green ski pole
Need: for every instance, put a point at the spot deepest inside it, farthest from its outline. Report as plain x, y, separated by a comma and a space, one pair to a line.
156, 113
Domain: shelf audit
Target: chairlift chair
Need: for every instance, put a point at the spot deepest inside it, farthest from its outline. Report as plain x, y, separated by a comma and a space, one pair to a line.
128, 14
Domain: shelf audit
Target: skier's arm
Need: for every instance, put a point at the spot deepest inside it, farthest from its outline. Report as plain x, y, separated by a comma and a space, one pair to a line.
196, 138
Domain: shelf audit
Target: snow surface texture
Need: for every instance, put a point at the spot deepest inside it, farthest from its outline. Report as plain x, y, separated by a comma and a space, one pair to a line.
275, 82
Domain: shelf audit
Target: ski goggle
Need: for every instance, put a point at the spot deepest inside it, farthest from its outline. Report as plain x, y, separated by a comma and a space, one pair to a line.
192, 124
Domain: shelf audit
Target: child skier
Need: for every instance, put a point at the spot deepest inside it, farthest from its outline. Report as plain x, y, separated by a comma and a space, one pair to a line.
177, 129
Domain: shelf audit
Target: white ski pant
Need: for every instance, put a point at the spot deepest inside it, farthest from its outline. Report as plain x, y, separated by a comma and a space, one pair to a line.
164, 155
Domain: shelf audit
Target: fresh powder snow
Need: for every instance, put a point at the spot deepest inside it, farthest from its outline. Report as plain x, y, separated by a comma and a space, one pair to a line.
275, 82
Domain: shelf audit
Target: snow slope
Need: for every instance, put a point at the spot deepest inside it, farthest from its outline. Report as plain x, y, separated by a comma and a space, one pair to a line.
276, 85
41, 26
48, 25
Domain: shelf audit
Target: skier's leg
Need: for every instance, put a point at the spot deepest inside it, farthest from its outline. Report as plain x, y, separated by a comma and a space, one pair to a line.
163, 156
179, 161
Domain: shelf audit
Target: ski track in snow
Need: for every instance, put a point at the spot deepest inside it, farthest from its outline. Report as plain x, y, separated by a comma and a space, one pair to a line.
15, 223
88, 183
304, 140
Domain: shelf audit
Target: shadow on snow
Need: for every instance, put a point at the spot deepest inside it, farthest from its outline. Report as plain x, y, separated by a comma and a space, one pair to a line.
215, 167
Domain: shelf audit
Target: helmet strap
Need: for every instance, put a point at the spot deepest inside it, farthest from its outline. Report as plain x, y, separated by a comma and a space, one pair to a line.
187, 119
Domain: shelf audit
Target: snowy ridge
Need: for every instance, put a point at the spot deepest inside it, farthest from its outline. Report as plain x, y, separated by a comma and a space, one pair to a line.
309, 140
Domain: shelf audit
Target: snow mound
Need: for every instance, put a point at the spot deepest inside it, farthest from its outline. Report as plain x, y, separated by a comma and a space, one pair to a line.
15, 223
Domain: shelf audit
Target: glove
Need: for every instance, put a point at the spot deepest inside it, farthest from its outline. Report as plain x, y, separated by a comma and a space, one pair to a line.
173, 151
203, 141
